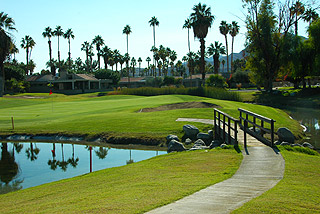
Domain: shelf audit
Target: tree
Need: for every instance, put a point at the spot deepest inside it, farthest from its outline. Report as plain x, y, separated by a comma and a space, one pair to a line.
98, 41
310, 15
215, 51
87, 47
133, 64
69, 35
223, 63
234, 31
6, 25
180, 68
265, 35
201, 21
224, 30
154, 22
297, 10
148, 61
139, 61
58, 32
48, 33
116, 57
127, 30
27, 43
173, 57
105, 54
187, 25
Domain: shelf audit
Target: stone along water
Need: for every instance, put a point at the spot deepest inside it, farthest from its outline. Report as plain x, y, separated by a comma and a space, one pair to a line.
24, 165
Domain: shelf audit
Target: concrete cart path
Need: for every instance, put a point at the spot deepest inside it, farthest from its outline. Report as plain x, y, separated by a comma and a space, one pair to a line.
261, 169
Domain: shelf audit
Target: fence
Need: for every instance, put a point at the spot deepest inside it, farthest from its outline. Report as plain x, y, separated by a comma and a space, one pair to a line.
223, 127
244, 121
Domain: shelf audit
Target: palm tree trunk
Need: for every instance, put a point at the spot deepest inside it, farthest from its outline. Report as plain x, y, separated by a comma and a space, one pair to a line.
188, 41
232, 54
69, 54
202, 64
50, 57
227, 52
27, 58
2, 79
98, 49
58, 51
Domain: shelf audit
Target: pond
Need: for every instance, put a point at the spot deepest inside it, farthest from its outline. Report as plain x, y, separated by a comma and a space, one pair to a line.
24, 165
310, 118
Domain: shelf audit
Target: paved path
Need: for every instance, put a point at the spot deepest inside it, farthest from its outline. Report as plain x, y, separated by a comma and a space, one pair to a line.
261, 169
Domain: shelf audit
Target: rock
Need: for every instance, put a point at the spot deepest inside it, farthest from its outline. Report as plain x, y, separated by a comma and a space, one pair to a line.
200, 142
210, 132
188, 141
172, 137
190, 131
285, 144
256, 130
285, 135
205, 137
306, 144
296, 145
175, 146
277, 143
223, 145
215, 143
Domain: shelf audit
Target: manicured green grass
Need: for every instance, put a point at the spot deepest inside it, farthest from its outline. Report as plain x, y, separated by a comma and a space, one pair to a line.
89, 114
133, 188
297, 192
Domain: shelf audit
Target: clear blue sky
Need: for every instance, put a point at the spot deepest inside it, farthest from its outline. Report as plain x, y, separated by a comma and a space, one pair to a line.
108, 18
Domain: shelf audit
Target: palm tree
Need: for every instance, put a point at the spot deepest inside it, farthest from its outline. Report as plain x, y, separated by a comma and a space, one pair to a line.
234, 31
27, 43
69, 35
223, 63
133, 64
98, 41
116, 57
173, 57
87, 47
310, 15
224, 30
58, 32
215, 51
297, 10
14, 50
48, 33
139, 61
187, 24
105, 54
127, 59
6, 25
148, 61
201, 21
154, 22
127, 30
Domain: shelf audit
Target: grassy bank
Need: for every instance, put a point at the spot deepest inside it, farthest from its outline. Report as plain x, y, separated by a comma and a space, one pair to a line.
133, 188
297, 192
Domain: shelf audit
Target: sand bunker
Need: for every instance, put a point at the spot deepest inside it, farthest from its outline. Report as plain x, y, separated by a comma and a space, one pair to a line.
180, 106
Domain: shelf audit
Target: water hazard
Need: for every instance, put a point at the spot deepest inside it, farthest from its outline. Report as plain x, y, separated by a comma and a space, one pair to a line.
24, 165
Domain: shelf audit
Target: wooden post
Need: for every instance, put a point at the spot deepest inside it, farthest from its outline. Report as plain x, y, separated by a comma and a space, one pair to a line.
224, 128
236, 132
90, 148
219, 124
272, 133
245, 133
229, 132
12, 121
215, 124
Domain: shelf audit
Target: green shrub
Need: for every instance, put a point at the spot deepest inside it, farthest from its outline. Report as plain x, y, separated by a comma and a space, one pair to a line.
216, 80
103, 74
303, 150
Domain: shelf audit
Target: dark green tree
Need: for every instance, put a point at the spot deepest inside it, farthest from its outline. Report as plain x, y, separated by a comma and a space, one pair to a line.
215, 51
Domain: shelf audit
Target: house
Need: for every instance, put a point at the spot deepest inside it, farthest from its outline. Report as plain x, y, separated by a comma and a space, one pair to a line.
68, 83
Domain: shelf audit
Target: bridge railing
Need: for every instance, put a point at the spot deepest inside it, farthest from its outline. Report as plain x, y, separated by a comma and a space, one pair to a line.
225, 127
248, 117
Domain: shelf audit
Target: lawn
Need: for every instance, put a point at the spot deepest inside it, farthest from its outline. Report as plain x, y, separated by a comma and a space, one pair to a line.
116, 115
133, 188
297, 192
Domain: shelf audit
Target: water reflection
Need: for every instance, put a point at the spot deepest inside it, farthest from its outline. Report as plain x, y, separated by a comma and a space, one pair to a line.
311, 119
24, 165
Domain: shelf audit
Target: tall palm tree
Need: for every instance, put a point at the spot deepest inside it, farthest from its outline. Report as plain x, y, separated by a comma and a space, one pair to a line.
154, 22
69, 35
173, 57
98, 41
121, 61
297, 10
139, 61
58, 32
133, 64
105, 54
310, 15
14, 50
234, 31
127, 30
201, 21
127, 59
187, 25
224, 30
148, 61
27, 43
116, 57
48, 33
223, 63
215, 51
6, 25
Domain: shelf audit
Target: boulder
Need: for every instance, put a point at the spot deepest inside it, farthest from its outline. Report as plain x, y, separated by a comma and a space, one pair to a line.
175, 146
277, 143
188, 141
172, 137
210, 132
306, 144
190, 131
255, 129
285, 144
223, 145
296, 145
215, 143
199, 144
285, 135
205, 137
